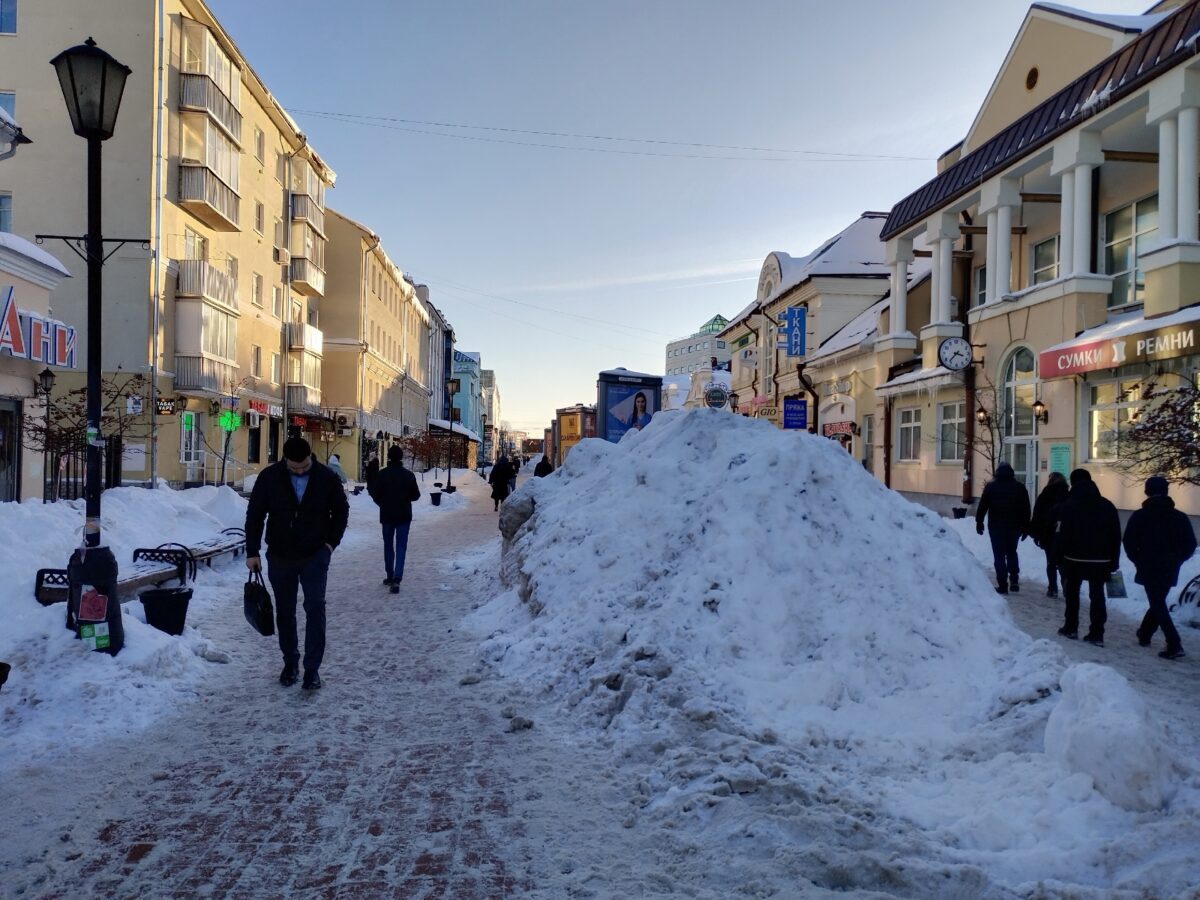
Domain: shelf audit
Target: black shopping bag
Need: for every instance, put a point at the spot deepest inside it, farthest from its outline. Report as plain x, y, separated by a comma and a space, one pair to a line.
257, 605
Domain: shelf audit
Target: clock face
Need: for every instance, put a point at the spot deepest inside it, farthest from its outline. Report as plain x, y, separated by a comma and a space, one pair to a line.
954, 353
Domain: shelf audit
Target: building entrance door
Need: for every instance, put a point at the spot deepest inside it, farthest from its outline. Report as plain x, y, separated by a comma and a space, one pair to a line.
10, 450
1022, 456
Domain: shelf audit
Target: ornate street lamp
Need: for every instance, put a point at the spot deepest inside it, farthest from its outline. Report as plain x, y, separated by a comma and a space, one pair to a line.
733, 402
452, 385
92, 84
482, 441
45, 388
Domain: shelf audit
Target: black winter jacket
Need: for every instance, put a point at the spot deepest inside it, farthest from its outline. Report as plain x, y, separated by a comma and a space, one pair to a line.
1088, 529
296, 530
1041, 526
1005, 503
543, 468
1158, 540
502, 473
394, 490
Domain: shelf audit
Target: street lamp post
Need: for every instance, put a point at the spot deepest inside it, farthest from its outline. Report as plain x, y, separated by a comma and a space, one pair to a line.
92, 83
46, 386
482, 441
452, 385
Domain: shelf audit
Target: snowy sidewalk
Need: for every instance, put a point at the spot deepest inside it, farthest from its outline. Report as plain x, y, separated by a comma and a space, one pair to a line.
393, 780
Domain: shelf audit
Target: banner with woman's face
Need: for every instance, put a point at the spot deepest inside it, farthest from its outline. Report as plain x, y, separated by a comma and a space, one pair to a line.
629, 406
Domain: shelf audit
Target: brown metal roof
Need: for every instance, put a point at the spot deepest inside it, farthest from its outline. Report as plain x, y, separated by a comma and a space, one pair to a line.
1158, 49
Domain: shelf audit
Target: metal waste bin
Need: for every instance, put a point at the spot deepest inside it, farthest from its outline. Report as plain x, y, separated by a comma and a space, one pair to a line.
166, 608
435, 497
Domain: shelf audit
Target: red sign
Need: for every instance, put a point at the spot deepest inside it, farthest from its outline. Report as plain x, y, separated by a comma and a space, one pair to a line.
93, 606
27, 335
1086, 357
832, 429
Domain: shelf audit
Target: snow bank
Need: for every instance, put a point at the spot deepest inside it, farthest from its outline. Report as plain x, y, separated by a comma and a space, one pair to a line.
1101, 728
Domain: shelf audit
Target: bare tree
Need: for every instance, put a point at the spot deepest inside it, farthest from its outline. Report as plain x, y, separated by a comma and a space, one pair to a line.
987, 443
1162, 436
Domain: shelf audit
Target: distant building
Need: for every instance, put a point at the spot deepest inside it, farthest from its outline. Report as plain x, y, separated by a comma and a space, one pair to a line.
695, 351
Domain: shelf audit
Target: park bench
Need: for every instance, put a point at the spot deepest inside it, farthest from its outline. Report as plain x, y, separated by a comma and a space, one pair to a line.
151, 566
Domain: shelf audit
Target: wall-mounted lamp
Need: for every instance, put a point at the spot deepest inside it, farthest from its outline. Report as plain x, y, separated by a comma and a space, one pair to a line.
982, 417
855, 429
1040, 412
733, 401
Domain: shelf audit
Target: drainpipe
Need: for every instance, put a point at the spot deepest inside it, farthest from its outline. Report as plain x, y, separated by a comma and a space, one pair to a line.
362, 324
887, 439
811, 390
968, 479
156, 253
286, 356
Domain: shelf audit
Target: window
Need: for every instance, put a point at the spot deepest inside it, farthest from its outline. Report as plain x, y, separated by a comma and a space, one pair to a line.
981, 286
195, 246
231, 267
868, 443
909, 428
1045, 260
706, 345
281, 167
260, 144
1020, 392
260, 216
256, 361
720, 345
219, 333
1111, 407
276, 371
205, 143
254, 443
8, 16
258, 290
952, 420
8, 100
1127, 232
5, 212
277, 302
280, 234
202, 55
191, 437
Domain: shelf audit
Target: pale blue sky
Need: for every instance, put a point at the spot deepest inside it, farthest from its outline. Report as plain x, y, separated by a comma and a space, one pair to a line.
650, 245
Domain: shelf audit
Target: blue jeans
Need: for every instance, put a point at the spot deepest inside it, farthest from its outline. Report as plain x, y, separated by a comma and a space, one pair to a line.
395, 548
287, 576
1004, 554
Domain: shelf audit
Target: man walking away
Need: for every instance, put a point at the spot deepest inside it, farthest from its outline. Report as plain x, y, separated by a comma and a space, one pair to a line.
394, 490
1087, 547
500, 476
1005, 505
543, 468
1041, 526
1158, 540
305, 511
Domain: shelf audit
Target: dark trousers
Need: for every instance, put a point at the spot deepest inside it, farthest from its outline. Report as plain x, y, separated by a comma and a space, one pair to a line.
395, 548
1004, 554
1051, 571
1074, 575
287, 576
1158, 616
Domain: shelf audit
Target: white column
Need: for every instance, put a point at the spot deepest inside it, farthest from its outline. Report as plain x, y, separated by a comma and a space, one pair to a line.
944, 259
1003, 250
989, 294
1168, 180
1066, 226
900, 297
1083, 220
1189, 173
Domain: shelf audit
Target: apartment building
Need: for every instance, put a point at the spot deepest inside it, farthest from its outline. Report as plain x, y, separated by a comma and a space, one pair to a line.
377, 346
491, 408
441, 357
688, 354
222, 311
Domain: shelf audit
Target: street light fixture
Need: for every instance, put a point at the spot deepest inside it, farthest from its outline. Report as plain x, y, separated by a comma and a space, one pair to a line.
452, 385
92, 84
482, 441
46, 387
733, 402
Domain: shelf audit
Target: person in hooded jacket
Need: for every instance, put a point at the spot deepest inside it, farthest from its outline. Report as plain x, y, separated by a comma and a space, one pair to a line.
1158, 540
543, 468
335, 466
372, 468
1087, 546
1005, 505
394, 490
502, 473
1041, 526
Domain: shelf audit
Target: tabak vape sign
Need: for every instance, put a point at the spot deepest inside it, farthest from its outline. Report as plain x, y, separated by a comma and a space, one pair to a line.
1110, 353
28, 335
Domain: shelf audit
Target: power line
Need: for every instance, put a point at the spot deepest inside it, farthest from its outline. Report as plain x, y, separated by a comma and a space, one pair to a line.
399, 124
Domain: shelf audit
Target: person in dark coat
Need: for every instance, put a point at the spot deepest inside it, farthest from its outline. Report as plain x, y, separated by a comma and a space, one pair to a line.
1041, 526
500, 476
543, 468
373, 468
1159, 540
305, 511
1005, 505
1087, 546
394, 490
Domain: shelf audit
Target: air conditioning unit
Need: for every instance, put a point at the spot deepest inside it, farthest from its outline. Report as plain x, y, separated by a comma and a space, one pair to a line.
253, 419
282, 256
342, 420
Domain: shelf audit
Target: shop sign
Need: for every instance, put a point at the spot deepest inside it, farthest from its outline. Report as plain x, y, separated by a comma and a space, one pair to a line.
1109, 353
833, 429
768, 412
841, 386
28, 335
271, 410
1060, 459
165, 406
795, 413
715, 397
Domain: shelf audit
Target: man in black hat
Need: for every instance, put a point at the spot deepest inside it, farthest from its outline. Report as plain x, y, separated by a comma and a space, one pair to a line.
1158, 540
1087, 543
305, 511
394, 490
1005, 505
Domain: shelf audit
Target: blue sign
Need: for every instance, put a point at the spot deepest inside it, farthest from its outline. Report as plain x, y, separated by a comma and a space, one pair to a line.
795, 328
795, 413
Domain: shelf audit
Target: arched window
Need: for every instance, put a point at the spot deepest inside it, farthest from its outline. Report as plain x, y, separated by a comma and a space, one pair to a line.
1018, 394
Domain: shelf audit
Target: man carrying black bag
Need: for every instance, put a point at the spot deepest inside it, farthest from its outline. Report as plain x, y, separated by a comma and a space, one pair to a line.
305, 511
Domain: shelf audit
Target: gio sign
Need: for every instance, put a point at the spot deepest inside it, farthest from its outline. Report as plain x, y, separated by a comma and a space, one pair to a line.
1109, 353
27, 335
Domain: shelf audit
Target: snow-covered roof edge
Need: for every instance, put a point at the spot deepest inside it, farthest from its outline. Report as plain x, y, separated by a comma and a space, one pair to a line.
1130, 24
456, 428
18, 246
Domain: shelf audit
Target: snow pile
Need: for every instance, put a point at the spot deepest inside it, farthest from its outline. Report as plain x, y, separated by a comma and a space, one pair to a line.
1101, 728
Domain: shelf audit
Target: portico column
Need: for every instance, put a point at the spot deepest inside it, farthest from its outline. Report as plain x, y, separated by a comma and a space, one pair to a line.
1003, 250
1168, 183
1066, 226
989, 293
899, 317
1083, 220
1189, 173
944, 258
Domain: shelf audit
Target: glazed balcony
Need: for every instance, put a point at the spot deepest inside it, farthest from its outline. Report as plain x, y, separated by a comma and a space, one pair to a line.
303, 398
306, 209
200, 373
203, 194
302, 336
200, 93
199, 279
307, 277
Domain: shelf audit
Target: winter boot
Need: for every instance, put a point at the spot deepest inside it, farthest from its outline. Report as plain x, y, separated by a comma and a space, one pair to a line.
1014, 584
312, 681
1073, 635
395, 588
1001, 589
1096, 640
1173, 653
291, 671
1143, 641
1051, 592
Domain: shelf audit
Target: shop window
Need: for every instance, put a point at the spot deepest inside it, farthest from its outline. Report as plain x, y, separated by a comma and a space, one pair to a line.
191, 438
1112, 407
1045, 260
908, 429
1127, 232
952, 434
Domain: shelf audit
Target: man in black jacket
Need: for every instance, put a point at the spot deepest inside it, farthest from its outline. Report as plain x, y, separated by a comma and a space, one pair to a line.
544, 467
394, 490
1158, 540
1005, 504
305, 510
1087, 544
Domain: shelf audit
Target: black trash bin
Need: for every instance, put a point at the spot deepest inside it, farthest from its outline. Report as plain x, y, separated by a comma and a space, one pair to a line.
450, 488
166, 608
435, 497
960, 512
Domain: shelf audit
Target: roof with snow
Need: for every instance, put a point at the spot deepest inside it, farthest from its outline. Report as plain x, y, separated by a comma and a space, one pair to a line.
32, 252
1127, 24
854, 252
456, 428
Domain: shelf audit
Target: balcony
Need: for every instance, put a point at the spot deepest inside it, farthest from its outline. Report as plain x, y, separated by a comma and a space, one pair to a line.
199, 373
199, 92
208, 198
303, 399
307, 278
302, 336
199, 279
306, 209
